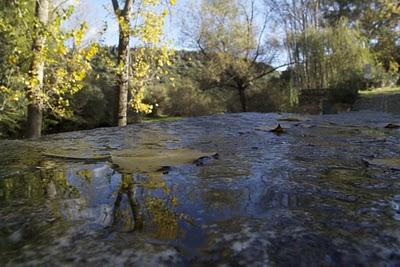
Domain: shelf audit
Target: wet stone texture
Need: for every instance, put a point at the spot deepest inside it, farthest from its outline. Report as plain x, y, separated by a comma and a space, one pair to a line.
219, 191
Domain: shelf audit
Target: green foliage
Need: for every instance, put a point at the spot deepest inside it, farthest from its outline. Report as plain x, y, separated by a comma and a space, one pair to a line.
180, 93
331, 51
378, 22
93, 105
66, 63
185, 99
16, 22
61, 81
334, 57
142, 21
270, 95
234, 43
346, 91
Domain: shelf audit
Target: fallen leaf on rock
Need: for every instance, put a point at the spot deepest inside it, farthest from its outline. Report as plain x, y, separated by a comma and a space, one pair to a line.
392, 126
278, 130
164, 169
77, 157
290, 119
204, 159
391, 163
154, 160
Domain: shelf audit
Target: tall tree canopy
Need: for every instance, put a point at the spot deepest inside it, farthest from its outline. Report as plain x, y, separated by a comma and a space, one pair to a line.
377, 20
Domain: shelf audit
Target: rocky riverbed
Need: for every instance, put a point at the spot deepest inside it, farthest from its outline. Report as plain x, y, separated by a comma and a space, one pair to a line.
219, 190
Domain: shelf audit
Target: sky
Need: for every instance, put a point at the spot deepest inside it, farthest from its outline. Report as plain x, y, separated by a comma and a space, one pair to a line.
98, 13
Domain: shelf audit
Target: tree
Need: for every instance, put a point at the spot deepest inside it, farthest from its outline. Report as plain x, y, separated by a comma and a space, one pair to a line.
232, 36
326, 52
35, 115
331, 57
142, 21
377, 20
14, 43
296, 18
46, 82
124, 17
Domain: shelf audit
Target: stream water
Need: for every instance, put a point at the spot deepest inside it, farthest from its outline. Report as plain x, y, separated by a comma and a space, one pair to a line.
326, 192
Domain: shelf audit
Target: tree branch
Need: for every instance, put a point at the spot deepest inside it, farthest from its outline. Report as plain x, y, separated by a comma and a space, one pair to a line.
127, 7
270, 71
115, 6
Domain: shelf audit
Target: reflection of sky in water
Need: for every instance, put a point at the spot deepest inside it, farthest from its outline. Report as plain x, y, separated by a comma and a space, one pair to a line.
97, 185
302, 196
109, 199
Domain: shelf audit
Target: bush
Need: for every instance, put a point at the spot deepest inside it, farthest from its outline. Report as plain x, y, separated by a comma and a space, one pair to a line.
382, 78
346, 91
92, 107
184, 100
10, 124
12, 114
270, 96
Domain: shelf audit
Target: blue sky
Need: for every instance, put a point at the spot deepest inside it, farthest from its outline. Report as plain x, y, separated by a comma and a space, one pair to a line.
99, 13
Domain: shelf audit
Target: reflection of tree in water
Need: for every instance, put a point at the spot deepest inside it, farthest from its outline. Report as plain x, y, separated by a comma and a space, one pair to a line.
46, 182
157, 208
146, 204
85, 194
55, 185
127, 216
29, 206
163, 220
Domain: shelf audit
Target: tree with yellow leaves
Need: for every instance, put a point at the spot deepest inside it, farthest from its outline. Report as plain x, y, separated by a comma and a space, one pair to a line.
44, 75
142, 21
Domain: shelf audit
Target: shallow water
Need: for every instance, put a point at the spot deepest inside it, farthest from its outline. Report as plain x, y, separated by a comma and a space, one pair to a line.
321, 194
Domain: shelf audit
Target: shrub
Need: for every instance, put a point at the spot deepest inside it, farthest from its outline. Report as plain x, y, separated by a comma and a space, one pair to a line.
271, 95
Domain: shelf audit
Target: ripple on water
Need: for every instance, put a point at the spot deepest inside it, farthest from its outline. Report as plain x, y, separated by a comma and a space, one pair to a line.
304, 198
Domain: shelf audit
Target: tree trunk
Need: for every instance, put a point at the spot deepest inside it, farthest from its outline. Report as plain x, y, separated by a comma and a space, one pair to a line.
122, 81
122, 87
34, 121
242, 97
35, 91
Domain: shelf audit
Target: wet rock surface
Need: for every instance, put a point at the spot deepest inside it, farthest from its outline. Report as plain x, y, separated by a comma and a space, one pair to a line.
222, 190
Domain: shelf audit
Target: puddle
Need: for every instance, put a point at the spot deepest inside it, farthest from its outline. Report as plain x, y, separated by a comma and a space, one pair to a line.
196, 192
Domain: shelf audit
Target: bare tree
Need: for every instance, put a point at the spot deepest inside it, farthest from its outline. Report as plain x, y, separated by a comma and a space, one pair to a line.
233, 37
295, 18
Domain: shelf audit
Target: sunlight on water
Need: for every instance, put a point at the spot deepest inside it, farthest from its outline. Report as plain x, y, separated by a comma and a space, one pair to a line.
325, 195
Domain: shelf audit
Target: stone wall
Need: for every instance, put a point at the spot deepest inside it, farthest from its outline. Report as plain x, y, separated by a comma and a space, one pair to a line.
381, 102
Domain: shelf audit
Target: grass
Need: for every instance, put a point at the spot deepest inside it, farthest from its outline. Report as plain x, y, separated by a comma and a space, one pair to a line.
380, 91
